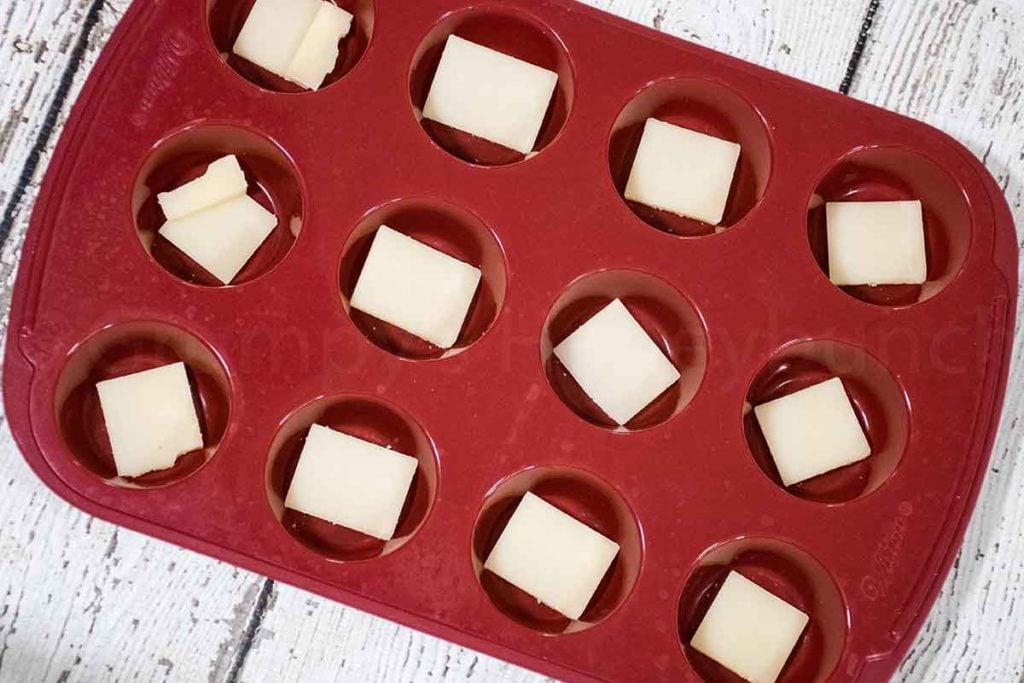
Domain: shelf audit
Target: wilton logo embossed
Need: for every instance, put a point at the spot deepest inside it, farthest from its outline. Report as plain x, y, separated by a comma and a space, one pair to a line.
175, 46
876, 585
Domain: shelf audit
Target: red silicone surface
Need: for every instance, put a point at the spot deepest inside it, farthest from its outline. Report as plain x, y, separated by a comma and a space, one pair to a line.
748, 314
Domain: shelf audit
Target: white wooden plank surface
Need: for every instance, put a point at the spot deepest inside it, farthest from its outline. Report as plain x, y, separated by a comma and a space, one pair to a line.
36, 41
960, 66
117, 610
809, 40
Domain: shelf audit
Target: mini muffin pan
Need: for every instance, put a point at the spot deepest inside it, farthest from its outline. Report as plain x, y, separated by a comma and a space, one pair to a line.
746, 312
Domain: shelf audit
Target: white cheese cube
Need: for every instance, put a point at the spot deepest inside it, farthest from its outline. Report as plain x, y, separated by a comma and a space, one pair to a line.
812, 431
318, 53
223, 180
351, 482
749, 631
223, 238
551, 556
876, 243
683, 172
616, 363
490, 94
416, 288
150, 418
273, 32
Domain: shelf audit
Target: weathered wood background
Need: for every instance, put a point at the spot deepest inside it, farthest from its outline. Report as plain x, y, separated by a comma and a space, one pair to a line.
83, 601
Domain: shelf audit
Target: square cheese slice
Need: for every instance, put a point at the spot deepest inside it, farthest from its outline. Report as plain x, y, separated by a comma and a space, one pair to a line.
273, 32
224, 180
876, 243
318, 53
489, 94
749, 631
416, 288
812, 431
223, 238
551, 556
150, 418
683, 172
616, 363
351, 482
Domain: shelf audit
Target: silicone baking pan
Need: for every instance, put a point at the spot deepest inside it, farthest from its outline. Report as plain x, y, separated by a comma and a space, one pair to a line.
747, 312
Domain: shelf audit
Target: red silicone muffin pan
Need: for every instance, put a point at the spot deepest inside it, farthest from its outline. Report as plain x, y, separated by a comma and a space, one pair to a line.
746, 312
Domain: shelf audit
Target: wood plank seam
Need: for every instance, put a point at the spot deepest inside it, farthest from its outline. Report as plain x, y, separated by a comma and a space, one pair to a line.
858, 49
252, 629
48, 128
